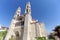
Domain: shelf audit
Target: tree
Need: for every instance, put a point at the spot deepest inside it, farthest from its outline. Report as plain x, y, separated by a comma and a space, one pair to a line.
51, 37
57, 31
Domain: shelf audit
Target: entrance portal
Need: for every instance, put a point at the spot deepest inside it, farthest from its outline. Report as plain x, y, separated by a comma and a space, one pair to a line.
17, 35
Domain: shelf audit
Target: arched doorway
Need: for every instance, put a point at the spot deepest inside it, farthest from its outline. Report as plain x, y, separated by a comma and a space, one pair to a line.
17, 35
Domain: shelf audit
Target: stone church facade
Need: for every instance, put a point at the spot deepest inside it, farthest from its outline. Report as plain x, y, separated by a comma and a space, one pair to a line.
24, 27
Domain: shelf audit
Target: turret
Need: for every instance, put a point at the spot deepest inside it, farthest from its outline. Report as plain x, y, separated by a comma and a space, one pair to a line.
18, 11
28, 8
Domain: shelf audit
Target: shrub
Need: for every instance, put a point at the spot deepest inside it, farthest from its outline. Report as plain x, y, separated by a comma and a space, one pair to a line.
41, 38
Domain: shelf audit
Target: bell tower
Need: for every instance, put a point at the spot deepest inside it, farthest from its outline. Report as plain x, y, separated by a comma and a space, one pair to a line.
18, 11
13, 29
28, 8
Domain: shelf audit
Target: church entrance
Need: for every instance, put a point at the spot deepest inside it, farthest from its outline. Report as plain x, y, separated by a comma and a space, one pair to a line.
17, 35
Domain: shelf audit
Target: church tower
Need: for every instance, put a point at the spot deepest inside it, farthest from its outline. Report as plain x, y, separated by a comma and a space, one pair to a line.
23, 27
27, 25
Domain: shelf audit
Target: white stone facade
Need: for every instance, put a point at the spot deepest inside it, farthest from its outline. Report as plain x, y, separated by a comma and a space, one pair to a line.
25, 26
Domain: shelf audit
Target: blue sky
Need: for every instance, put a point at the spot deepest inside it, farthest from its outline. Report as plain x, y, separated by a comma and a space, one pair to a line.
47, 11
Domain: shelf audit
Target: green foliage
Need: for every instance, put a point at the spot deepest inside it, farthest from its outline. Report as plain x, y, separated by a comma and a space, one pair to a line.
51, 37
41, 38
57, 31
3, 34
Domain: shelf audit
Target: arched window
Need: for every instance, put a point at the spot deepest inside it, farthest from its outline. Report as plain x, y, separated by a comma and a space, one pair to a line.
22, 23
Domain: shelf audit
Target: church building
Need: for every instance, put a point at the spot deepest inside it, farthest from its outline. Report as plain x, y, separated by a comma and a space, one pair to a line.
23, 27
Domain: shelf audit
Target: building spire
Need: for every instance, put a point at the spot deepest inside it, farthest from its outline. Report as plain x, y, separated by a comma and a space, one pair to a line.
28, 8
18, 11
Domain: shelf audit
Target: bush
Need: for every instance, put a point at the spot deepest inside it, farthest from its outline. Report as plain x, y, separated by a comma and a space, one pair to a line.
41, 38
